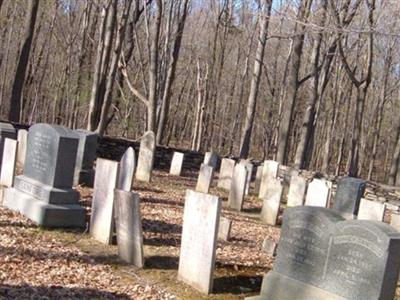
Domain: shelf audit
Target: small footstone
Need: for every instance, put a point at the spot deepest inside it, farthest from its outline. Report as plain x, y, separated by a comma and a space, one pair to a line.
269, 246
224, 230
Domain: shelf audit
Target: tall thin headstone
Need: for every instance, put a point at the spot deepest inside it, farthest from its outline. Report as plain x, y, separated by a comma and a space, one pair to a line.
205, 178
249, 167
297, 190
269, 171
176, 164
22, 143
225, 173
199, 239
371, 210
258, 178
84, 172
272, 201
317, 193
238, 187
146, 157
102, 218
126, 170
348, 195
9, 162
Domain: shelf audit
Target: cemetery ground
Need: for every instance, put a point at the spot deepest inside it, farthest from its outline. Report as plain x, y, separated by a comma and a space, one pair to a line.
69, 264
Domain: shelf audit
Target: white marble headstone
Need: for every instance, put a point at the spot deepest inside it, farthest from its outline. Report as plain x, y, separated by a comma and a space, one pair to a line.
211, 159
272, 201
205, 178
297, 190
176, 164
225, 173
238, 187
146, 157
8, 162
318, 192
126, 170
269, 171
371, 210
22, 143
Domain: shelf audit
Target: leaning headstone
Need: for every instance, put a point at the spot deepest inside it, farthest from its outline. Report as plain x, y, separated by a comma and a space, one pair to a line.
224, 230
297, 190
199, 239
102, 218
395, 221
323, 256
238, 187
272, 201
22, 143
258, 178
205, 178
348, 195
371, 210
176, 164
317, 193
9, 162
44, 192
84, 172
146, 157
129, 228
6, 131
225, 173
211, 159
269, 171
269, 247
126, 170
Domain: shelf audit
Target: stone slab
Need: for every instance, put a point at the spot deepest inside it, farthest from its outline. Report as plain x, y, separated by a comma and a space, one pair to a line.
86, 155
176, 164
146, 157
297, 190
249, 167
318, 193
22, 144
224, 230
371, 210
269, 247
126, 170
258, 179
6, 131
211, 159
395, 221
272, 201
205, 178
348, 195
9, 161
269, 171
238, 187
225, 173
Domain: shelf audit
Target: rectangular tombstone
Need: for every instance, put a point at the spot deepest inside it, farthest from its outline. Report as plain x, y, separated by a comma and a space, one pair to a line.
126, 170
22, 144
44, 192
249, 168
225, 173
224, 230
6, 131
176, 164
102, 218
84, 172
272, 201
395, 221
238, 187
129, 228
269, 171
211, 159
317, 193
297, 190
371, 210
146, 157
348, 195
9, 162
199, 239
205, 178
258, 178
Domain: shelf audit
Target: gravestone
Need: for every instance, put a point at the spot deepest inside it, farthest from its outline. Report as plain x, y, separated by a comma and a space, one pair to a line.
146, 157
84, 172
126, 170
199, 239
6, 131
395, 221
102, 218
348, 195
211, 159
238, 187
176, 164
321, 255
269, 171
272, 201
297, 190
225, 173
22, 143
371, 210
44, 192
269, 247
129, 228
317, 193
205, 178
249, 168
9, 162
258, 178
224, 230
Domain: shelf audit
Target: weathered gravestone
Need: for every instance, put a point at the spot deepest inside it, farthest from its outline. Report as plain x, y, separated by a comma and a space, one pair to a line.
211, 159
6, 131
238, 187
9, 161
257, 183
199, 239
323, 256
126, 170
44, 192
272, 201
395, 221
105, 182
348, 195
297, 190
269, 247
371, 210
176, 164
224, 229
22, 144
205, 178
249, 168
269, 171
84, 172
129, 227
318, 192
146, 157
225, 173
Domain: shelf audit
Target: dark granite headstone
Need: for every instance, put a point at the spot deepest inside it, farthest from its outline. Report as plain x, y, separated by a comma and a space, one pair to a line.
44, 192
323, 256
84, 172
6, 131
348, 195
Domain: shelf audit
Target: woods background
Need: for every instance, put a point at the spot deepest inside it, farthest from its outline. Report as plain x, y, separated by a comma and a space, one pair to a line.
310, 83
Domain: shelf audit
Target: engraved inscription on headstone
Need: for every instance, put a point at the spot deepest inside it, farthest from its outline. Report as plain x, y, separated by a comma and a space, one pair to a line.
146, 157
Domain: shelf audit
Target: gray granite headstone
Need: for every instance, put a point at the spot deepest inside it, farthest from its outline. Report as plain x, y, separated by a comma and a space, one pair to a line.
348, 195
176, 164
22, 144
84, 172
371, 210
225, 173
211, 159
272, 201
126, 170
205, 178
199, 239
146, 157
6, 131
129, 228
44, 192
238, 187
322, 256
9, 162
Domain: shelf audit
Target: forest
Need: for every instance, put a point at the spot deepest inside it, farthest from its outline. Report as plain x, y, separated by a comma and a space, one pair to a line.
312, 84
